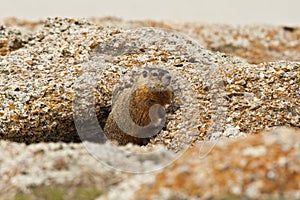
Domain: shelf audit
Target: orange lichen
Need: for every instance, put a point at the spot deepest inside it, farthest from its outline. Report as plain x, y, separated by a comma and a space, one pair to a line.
11, 106
232, 164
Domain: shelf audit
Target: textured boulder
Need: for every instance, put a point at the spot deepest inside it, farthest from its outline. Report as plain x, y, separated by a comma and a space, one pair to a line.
37, 82
264, 166
43, 63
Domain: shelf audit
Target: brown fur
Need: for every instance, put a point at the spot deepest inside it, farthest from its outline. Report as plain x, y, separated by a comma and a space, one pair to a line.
141, 97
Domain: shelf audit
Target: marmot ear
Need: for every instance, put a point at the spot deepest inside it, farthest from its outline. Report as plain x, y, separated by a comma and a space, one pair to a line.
145, 73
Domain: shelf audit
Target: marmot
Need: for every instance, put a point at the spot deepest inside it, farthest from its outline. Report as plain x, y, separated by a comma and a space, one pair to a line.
137, 112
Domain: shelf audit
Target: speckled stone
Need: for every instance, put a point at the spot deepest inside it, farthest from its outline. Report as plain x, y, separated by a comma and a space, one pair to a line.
256, 43
264, 166
41, 61
38, 83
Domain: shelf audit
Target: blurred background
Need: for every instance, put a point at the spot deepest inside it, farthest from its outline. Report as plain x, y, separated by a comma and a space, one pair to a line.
277, 12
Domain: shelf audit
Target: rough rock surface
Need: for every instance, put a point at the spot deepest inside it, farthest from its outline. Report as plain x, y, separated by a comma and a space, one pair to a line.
264, 166
38, 82
26, 167
41, 61
256, 43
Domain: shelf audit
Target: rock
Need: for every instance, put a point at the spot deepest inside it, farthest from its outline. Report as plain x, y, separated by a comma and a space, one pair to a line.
73, 167
256, 43
10, 40
264, 166
45, 66
38, 81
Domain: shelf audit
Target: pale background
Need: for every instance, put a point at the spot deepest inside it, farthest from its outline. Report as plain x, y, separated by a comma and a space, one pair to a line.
278, 12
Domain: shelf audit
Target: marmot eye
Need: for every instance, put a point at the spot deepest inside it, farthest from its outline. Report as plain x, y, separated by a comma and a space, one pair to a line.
162, 73
145, 73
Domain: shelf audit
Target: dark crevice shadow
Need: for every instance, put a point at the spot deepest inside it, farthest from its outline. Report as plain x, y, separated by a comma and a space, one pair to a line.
65, 131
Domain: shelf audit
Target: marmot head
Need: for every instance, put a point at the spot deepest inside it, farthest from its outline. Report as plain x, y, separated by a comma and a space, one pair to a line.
156, 79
